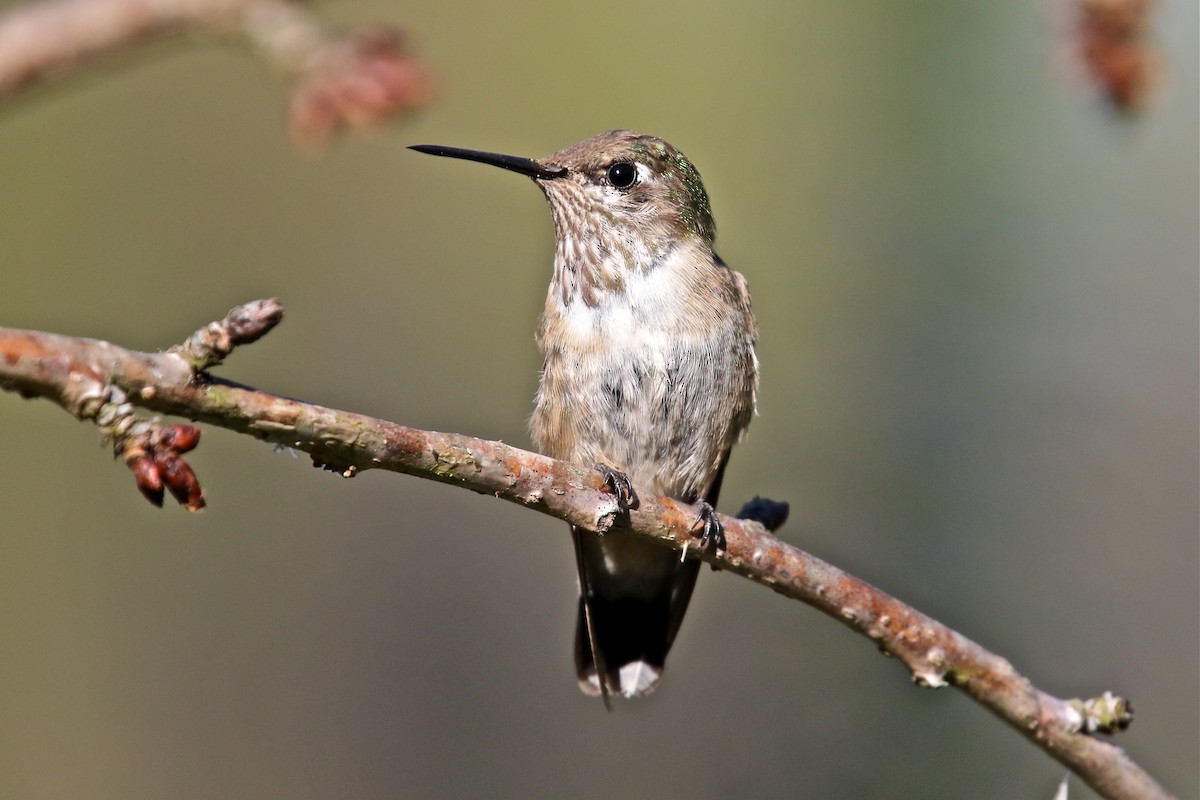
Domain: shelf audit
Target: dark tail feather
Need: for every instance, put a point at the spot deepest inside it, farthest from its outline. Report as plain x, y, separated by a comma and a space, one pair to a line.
626, 639
622, 641
629, 638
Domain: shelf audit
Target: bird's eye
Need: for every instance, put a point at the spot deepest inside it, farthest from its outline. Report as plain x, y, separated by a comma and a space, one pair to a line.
622, 175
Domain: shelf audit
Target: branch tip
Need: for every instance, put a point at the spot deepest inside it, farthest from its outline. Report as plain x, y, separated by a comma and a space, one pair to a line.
244, 324
1107, 713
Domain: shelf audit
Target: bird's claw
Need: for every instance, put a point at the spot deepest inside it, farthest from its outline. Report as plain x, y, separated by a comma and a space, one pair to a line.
617, 483
709, 527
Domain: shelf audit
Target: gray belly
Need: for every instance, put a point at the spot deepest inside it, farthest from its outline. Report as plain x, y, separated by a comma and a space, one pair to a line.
664, 416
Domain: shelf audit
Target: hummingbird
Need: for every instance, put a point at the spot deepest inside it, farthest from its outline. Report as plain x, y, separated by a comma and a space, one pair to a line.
649, 374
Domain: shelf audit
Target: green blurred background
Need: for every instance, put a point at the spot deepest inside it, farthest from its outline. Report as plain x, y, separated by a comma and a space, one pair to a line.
977, 293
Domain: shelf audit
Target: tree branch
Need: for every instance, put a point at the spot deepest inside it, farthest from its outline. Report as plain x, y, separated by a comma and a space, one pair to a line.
101, 382
356, 80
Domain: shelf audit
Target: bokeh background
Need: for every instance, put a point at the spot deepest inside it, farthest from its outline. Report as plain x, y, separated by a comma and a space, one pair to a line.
977, 291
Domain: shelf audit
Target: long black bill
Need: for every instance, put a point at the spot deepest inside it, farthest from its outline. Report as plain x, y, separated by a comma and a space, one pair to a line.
525, 166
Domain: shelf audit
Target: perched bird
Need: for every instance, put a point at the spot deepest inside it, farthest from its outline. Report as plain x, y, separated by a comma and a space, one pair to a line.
649, 373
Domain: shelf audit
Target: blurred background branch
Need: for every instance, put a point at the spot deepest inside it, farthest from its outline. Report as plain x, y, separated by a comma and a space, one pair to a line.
357, 79
90, 379
1116, 46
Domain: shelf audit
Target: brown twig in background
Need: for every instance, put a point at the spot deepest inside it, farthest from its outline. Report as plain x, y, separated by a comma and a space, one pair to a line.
1116, 46
359, 79
86, 376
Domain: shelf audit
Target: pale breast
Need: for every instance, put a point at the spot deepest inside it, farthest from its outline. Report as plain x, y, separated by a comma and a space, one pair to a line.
657, 380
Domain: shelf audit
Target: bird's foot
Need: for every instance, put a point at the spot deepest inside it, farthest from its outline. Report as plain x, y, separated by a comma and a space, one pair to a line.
617, 484
708, 527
